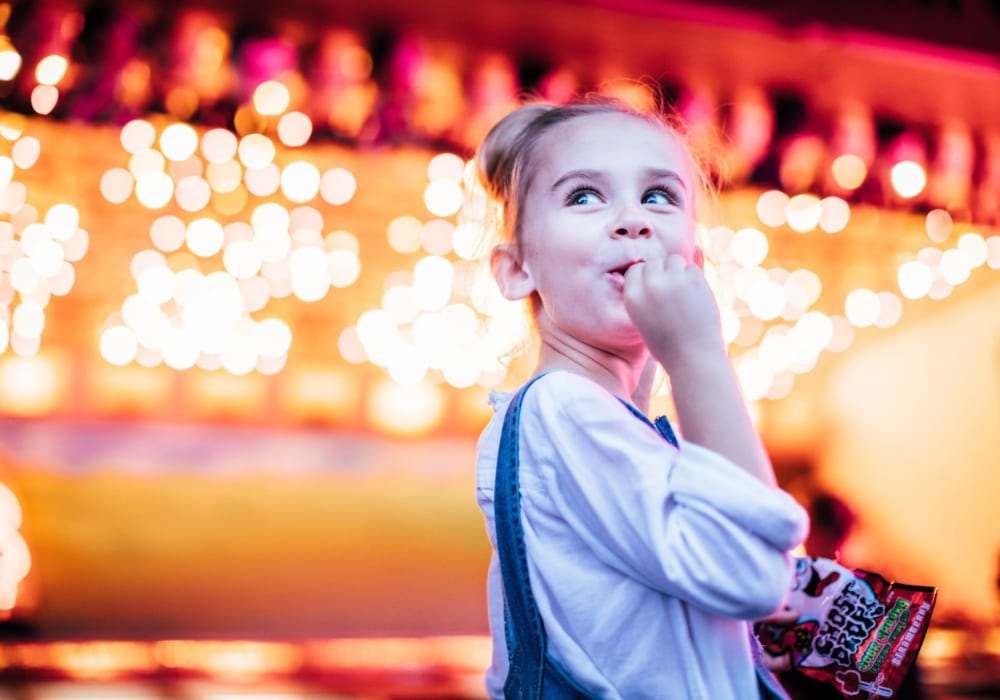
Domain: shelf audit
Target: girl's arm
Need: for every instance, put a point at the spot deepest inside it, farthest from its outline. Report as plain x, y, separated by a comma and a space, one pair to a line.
674, 309
689, 523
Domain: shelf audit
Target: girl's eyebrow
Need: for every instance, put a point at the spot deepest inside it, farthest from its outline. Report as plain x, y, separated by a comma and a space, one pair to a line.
575, 175
659, 174
653, 173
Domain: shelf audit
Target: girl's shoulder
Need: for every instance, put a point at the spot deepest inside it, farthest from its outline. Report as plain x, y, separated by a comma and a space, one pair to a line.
563, 387
561, 398
549, 388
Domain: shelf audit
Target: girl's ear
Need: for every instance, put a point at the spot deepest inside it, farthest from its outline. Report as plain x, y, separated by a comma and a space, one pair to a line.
510, 272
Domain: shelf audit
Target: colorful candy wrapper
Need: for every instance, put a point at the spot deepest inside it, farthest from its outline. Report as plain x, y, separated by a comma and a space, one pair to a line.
856, 630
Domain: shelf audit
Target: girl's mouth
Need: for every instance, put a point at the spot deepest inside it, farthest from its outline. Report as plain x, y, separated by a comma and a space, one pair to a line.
623, 268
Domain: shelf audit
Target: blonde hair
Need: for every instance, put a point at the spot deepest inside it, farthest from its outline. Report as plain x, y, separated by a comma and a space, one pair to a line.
504, 160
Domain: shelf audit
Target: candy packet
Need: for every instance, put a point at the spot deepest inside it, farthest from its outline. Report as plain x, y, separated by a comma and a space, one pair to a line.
855, 631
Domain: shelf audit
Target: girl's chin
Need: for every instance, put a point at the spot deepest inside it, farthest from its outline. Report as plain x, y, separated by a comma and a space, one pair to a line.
627, 335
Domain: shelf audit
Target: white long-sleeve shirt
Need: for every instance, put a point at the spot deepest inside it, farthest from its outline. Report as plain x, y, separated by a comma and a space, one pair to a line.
645, 561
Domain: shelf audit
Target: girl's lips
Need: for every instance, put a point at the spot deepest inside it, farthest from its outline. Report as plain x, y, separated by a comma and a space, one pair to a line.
623, 268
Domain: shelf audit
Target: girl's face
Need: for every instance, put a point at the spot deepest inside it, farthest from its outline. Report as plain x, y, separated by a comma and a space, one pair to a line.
607, 190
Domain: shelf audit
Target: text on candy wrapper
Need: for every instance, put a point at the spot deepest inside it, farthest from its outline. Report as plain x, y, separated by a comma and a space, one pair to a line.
918, 617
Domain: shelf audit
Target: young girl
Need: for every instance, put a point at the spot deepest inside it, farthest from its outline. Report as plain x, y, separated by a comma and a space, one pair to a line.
624, 566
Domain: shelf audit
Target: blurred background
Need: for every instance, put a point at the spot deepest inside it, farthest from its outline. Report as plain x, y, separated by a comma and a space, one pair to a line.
247, 342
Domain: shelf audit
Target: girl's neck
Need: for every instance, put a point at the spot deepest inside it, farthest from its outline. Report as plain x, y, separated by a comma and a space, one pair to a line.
616, 373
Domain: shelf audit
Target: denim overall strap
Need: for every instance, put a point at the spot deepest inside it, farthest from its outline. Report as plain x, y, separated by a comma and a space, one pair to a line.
533, 674
661, 424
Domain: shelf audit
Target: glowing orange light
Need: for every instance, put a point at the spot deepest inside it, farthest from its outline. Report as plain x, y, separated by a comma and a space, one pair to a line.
100, 660
849, 171
30, 385
405, 409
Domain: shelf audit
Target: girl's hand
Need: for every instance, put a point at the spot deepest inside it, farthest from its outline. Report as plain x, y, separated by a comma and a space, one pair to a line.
673, 309
785, 616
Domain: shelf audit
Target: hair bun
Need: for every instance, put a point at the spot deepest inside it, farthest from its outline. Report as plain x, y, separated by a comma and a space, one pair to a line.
500, 145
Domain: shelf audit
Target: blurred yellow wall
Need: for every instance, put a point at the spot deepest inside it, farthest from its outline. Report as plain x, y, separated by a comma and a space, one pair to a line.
393, 545
913, 417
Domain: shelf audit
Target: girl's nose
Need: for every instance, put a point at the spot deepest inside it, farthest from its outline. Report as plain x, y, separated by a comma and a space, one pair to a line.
633, 225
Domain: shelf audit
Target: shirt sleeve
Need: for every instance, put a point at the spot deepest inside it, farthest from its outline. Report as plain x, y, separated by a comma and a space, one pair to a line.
686, 522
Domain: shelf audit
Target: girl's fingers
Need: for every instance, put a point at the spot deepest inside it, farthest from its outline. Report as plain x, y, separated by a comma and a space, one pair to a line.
675, 263
634, 274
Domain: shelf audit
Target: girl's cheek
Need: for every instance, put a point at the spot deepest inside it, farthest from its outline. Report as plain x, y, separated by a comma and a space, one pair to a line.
686, 247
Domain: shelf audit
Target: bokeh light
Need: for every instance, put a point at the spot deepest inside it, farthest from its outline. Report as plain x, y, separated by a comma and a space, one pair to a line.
404, 409
51, 69
116, 185
256, 151
300, 181
25, 152
749, 247
338, 186
10, 64
154, 189
908, 178
178, 142
219, 146
344, 267
973, 249
271, 98
447, 166
295, 129
44, 99
443, 197
862, 307
939, 225
404, 234
955, 269
849, 171
836, 213
915, 279
137, 136
804, 212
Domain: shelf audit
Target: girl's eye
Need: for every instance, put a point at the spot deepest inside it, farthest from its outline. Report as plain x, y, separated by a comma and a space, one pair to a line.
661, 195
583, 196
